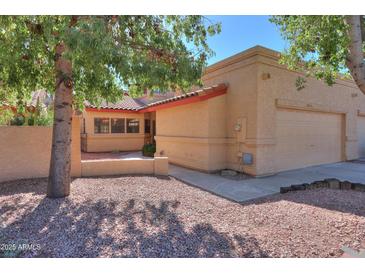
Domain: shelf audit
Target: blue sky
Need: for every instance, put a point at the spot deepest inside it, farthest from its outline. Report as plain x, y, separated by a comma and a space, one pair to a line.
242, 32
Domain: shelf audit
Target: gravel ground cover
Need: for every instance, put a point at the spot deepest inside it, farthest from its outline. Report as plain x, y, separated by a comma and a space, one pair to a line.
142, 216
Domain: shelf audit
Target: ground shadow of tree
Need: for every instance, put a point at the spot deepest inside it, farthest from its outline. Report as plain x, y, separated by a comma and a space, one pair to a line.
345, 201
101, 228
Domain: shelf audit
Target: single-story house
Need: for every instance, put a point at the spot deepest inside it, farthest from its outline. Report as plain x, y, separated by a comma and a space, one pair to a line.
249, 117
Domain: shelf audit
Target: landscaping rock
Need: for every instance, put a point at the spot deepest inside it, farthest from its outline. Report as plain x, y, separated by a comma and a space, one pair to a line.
358, 187
146, 216
228, 172
297, 187
317, 184
346, 185
285, 189
332, 183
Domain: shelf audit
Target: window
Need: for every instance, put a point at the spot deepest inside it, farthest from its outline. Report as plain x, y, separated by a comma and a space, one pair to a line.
117, 125
132, 126
147, 126
101, 125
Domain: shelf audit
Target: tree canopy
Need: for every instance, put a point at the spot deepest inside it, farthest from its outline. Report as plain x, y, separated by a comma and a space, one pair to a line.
324, 45
95, 58
108, 54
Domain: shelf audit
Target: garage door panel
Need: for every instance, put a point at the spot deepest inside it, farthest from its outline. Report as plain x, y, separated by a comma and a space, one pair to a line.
361, 135
306, 138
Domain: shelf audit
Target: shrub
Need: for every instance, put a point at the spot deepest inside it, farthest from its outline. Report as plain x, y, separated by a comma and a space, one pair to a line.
6, 115
148, 150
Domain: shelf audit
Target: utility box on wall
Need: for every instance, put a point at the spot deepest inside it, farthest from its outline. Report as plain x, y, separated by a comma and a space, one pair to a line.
247, 158
240, 128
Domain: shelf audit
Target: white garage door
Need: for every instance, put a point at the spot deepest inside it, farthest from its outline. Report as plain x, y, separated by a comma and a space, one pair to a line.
361, 135
305, 138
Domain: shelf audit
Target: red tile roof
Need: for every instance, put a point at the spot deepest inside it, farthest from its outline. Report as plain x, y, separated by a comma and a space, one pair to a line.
136, 104
199, 92
128, 103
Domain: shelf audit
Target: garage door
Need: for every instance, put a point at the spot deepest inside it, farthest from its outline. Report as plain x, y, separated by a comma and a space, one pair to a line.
361, 135
305, 138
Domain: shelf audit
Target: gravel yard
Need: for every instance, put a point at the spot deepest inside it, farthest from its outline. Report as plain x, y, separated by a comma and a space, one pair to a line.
162, 217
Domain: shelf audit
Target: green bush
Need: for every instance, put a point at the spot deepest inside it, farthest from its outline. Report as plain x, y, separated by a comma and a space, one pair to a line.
6, 115
148, 150
40, 118
45, 118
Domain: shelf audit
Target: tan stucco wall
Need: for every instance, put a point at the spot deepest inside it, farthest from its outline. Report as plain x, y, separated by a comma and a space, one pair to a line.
112, 141
206, 135
26, 151
240, 108
279, 92
157, 166
193, 135
258, 87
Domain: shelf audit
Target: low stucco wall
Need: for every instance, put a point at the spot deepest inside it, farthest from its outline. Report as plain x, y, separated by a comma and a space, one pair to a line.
104, 167
26, 151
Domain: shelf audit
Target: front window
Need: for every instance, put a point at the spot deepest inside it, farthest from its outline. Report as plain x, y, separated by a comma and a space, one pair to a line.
132, 126
101, 125
118, 125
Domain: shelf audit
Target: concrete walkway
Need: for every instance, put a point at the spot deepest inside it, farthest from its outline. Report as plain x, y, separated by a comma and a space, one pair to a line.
253, 188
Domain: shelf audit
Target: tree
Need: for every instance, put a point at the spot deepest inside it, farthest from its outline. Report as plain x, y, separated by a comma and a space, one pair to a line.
94, 58
325, 46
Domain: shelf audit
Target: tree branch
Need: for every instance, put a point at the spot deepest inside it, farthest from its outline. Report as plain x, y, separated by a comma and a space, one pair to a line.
355, 59
362, 25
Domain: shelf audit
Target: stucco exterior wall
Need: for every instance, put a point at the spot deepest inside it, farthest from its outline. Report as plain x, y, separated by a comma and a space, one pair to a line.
258, 87
105, 142
193, 135
240, 108
276, 90
26, 151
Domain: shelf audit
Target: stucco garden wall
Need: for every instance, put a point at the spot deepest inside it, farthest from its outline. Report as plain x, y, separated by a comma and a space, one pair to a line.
153, 166
26, 151
100, 142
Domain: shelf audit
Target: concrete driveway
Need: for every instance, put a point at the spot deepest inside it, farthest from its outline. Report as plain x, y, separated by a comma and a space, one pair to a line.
253, 188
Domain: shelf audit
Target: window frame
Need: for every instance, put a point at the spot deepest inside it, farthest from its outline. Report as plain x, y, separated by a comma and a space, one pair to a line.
123, 126
95, 127
127, 125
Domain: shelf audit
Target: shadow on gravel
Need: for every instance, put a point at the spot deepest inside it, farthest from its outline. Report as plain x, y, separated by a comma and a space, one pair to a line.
36, 186
345, 201
105, 228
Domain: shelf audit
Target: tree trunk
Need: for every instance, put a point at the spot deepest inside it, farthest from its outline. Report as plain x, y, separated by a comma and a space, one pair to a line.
355, 59
60, 168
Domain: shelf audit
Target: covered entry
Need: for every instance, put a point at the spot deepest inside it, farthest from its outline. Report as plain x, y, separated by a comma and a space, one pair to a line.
306, 138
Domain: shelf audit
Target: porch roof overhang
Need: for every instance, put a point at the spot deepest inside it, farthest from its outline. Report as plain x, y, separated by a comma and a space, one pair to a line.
179, 100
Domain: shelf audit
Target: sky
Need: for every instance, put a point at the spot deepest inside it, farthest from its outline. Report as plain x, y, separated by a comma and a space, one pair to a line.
242, 32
